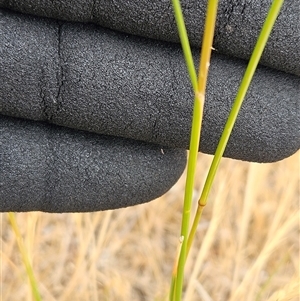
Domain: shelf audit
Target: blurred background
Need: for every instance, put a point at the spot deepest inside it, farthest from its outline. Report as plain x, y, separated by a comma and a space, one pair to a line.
246, 248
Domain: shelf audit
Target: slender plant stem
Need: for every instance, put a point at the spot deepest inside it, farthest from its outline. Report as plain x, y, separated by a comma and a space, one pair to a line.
29, 271
177, 283
174, 274
254, 60
185, 44
193, 77
208, 36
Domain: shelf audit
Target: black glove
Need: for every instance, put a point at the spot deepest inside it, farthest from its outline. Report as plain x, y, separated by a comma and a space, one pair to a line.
91, 78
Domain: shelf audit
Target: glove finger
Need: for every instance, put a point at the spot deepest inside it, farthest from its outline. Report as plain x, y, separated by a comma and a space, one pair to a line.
93, 79
55, 169
238, 24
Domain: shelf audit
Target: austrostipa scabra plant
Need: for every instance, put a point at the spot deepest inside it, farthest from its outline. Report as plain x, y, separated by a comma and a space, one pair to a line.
199, 90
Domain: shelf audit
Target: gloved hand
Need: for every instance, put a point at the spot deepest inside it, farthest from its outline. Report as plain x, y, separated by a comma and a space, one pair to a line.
132, 85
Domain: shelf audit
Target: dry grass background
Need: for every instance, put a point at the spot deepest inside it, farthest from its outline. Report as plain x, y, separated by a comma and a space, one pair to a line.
247, 245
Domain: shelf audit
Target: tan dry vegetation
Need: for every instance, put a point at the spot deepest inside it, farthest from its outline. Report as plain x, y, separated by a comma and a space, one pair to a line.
247, 245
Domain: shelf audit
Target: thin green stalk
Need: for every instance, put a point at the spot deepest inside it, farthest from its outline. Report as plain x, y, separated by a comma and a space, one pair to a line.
185, 44
174, 274
199, 89
254, 60
196, 116
191, 169
29, 271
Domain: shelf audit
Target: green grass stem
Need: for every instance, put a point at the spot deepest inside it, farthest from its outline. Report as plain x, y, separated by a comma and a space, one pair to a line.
254, 60
185, 44
199, 89
26, 261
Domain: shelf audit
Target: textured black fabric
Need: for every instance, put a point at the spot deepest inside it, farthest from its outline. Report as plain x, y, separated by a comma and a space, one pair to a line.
238, 23
90, 78
55, 169
86, 77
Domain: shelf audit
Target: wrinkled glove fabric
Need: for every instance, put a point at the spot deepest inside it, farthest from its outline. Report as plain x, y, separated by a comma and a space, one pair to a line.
90, 78
237, 28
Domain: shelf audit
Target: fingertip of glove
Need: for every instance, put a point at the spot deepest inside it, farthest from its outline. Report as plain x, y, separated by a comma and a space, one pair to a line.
55, 169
